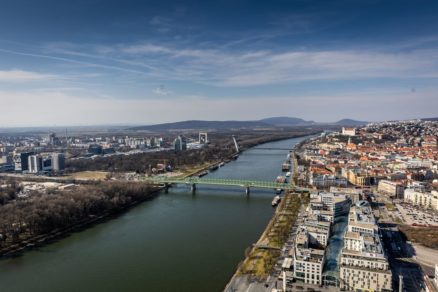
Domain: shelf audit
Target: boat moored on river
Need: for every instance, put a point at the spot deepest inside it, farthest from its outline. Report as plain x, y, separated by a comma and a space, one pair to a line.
276, 201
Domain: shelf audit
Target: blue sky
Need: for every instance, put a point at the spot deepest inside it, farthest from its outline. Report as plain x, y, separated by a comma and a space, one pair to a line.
140, 62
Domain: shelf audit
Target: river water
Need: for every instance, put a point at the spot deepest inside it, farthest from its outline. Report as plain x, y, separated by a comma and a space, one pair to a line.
174, 242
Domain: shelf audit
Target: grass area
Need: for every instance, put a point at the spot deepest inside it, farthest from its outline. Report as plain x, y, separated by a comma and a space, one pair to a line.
398, 220
259, 262
389, 206
97, 175
427, 236
262, 257
189, 171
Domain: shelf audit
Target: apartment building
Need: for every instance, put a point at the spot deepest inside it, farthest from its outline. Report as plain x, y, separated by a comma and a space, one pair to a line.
308, 261
318, 232
420, 197
391, 188
364, 266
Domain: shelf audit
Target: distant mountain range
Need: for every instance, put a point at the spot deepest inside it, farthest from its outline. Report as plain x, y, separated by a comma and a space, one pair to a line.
350, 122
198, 124
430, 119
286, 121
223, 125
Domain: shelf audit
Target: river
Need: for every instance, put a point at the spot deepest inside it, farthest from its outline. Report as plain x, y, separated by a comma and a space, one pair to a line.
174, 242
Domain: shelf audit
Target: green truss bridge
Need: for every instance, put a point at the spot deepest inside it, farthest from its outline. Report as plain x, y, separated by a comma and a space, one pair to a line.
193, 181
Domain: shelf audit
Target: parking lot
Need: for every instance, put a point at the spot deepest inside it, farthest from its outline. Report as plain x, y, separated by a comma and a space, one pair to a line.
401, 261
416, 216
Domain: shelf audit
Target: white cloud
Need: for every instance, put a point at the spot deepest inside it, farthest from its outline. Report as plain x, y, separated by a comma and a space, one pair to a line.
161, 90
252, 68
222, 67
145, 49
23, 76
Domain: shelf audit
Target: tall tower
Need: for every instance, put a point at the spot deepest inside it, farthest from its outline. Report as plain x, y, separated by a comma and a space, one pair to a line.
235, 144
203, 138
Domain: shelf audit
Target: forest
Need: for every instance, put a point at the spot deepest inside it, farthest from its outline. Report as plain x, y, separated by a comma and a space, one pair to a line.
221, 148
22, 219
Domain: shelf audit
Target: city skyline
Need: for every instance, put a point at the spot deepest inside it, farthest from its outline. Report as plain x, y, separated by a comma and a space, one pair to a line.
112, 62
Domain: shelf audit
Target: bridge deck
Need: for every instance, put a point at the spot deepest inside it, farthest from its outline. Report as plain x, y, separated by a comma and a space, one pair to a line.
221, 182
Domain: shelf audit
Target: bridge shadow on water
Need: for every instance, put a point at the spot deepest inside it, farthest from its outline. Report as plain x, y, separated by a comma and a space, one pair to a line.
222, 191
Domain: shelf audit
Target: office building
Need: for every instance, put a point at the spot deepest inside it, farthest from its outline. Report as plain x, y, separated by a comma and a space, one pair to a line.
35, 163
179, 144
58, 162
46, 164
21, 161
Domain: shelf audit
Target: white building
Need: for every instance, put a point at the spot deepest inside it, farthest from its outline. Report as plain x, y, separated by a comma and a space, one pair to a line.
364, 266
347, 131
325, 181
58, 162
339, 204
35, 163
419, 197
308, 262
391, 188
436, 275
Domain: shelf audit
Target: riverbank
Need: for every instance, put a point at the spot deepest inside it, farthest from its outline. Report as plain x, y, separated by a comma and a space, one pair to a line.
176, 229
260, 260
24, 240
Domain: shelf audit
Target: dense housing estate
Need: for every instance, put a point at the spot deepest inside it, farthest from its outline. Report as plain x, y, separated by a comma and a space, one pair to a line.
397, 161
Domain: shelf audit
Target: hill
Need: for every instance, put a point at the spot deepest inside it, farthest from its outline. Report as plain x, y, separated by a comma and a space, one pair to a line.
197, 124
223, 125
430, 119
350, 122
286, 121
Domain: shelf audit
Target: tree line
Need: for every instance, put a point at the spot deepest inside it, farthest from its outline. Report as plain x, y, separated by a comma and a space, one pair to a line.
141, 162
41, 213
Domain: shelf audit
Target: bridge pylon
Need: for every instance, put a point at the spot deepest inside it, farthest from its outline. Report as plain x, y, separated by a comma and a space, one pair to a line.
193, 188
247, 191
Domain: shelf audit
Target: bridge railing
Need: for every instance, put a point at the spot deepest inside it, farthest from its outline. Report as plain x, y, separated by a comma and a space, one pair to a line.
223, 182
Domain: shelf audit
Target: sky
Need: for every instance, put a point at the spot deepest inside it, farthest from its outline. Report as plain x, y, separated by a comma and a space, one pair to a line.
94, 62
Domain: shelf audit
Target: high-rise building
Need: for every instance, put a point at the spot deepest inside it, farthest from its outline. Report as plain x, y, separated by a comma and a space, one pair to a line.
58, 162
53, 140
46, 164
436, 275
35, 163
203, 138
179, 144
21, 162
